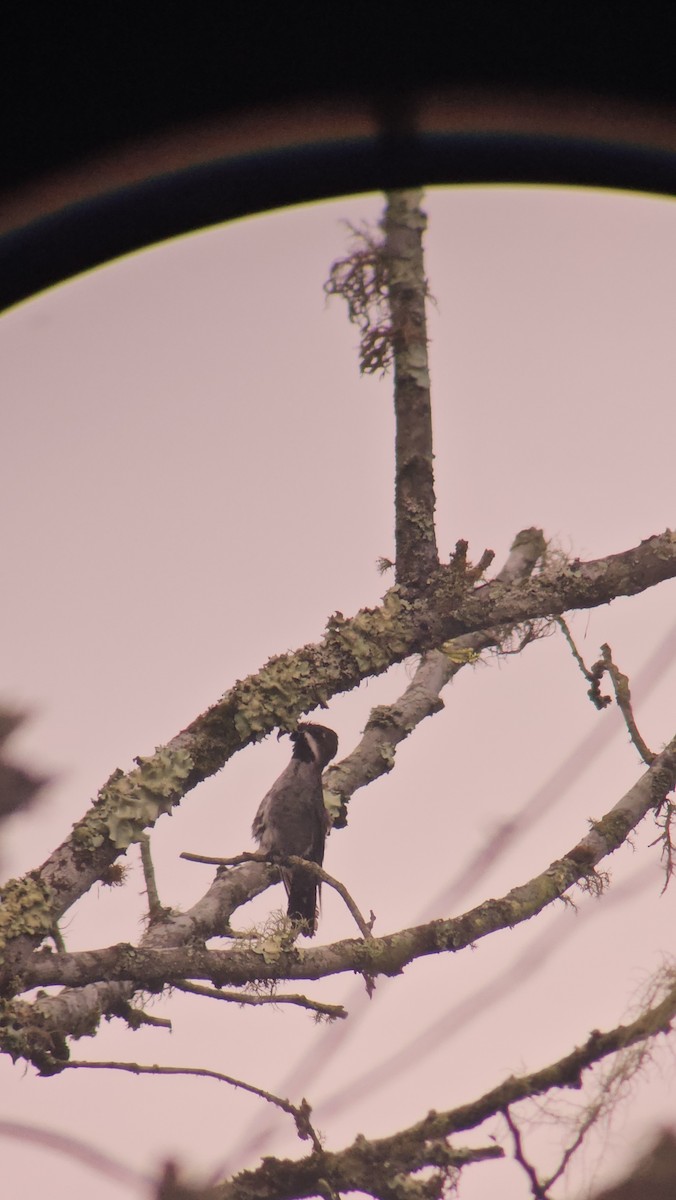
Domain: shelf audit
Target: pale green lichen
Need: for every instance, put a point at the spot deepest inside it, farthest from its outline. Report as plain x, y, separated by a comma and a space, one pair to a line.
381, 716
413, 364
277, 689
25, 909
403, 1187
130, 803
270, 949
334, 804
288, 684
274, 938
374, 639
460, 654
25, 1033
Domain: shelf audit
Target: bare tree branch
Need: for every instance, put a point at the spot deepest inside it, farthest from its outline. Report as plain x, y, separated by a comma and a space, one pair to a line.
620, 684
155, 909
291, 860
325, 1010
538, 1191
594, 695
300, 1113
665, 821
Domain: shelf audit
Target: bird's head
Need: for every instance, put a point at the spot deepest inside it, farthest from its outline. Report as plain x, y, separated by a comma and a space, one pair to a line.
314, 743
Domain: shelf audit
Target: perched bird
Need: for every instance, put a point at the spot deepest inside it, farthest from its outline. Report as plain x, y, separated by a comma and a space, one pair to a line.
292, 818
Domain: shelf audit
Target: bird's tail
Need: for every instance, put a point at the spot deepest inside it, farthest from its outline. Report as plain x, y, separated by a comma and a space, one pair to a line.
303, 894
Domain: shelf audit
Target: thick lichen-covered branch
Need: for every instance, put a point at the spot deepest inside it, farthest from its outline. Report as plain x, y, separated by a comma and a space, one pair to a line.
385, 1168
408, 621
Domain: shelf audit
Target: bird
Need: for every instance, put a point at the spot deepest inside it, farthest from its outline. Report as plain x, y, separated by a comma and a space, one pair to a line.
292, 819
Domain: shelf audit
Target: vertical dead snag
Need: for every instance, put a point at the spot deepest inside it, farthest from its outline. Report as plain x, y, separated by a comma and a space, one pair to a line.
415, 537
383, 283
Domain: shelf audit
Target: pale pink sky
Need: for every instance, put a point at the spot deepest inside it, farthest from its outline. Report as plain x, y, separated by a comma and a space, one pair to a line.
196, 478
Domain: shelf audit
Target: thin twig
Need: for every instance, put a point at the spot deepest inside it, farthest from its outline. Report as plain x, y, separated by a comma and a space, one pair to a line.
620, 683
623, 696
213, 860
665, 815
300, 1113
155, 909
563, 626
138, 1017
593, 675
290, 860
198, 989
589, 1121
537, 1190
